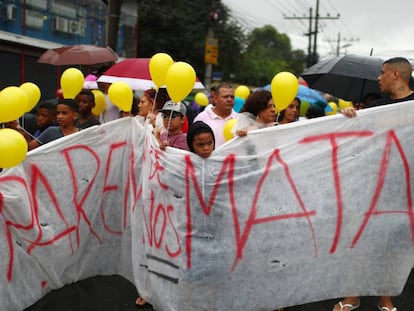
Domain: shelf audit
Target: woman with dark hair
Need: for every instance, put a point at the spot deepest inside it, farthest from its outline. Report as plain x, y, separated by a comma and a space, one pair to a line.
290, 113
257, 112
149, 103
160, 97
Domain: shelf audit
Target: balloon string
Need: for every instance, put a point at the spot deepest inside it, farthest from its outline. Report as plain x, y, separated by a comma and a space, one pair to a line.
3, 125
155, 100
169, 122
24, 130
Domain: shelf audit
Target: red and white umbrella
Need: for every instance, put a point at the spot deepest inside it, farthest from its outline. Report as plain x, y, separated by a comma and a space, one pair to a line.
135, 72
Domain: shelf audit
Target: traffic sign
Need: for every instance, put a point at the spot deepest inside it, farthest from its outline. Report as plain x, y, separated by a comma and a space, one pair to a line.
211, 51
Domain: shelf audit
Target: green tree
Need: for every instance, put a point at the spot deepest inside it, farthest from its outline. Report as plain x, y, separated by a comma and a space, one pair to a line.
231, 41
268, 52
180, 28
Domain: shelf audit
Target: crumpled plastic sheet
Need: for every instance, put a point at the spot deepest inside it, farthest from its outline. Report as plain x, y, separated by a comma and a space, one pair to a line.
288, 215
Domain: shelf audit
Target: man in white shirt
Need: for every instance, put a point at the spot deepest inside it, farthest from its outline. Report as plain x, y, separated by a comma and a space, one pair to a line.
216, 116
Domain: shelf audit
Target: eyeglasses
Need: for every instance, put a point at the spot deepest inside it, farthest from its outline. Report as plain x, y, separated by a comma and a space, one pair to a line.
172, 116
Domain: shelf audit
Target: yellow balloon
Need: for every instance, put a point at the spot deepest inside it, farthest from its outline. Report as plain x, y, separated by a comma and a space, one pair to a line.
228, 126
71, 82
158, 66
344, 104
284, 88
13, 148
180, 80
120, 93
201, 99
33, 94
333, 110
242, 91
99, 102
13, 103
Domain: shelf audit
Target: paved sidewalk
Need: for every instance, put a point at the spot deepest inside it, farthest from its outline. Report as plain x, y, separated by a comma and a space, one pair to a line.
114, 293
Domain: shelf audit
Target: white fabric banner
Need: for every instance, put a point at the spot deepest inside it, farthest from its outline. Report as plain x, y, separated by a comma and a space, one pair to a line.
303, 212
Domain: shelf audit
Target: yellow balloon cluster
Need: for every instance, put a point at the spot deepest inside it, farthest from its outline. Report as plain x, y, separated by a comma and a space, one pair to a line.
284, 88
99, 102
13, 148
13, 103
201, 99
71, 82
158, 66
120, 93
180, 80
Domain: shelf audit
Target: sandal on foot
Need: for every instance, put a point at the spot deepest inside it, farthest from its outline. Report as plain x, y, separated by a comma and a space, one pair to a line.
349, 306
386, 309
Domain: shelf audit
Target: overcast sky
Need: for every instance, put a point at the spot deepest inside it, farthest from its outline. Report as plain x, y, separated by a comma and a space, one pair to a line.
387, 27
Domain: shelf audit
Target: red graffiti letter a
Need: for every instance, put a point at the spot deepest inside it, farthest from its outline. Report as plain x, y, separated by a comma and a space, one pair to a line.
391, 139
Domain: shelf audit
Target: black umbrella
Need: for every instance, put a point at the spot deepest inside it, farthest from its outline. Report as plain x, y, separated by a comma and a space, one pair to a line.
349, 77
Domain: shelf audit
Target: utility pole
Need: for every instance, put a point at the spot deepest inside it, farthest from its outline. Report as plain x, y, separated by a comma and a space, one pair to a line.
309, 34
315, 35
339, 42
112, 23
209, 65
211, 48
312, 51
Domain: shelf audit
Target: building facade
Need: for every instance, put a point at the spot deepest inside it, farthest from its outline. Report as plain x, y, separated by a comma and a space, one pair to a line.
30, 27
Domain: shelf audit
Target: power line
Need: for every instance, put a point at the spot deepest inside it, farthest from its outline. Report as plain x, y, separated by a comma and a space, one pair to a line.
312, 53
342, 43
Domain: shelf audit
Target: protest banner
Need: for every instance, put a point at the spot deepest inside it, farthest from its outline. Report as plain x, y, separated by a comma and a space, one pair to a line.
297, 213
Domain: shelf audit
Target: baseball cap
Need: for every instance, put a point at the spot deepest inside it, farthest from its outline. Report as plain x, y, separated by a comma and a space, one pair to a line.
171, 106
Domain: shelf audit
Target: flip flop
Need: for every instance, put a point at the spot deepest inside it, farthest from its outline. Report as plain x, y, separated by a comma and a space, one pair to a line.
386, 309
350, 307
